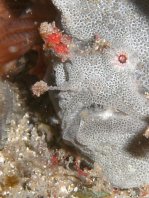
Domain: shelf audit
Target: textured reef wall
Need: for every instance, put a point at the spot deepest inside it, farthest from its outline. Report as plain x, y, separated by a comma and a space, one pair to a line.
103, 85
10, 109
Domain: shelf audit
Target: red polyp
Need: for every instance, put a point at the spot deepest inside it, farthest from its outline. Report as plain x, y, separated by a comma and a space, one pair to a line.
56, 41
54, 160
54, 38
61, 49
122, 58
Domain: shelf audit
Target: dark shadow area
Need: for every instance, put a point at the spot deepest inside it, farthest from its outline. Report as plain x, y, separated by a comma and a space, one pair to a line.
38, 9
138, 146
143, 6
18, 7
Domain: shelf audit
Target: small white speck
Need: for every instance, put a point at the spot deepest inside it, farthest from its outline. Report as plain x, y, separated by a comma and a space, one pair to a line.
75, 189
131, 168
2, 159
28, 11
12, 166
63, 189
35, 22
13, 49
1, 173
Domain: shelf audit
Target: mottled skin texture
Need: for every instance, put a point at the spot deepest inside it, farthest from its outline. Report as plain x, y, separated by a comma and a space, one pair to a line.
102, 100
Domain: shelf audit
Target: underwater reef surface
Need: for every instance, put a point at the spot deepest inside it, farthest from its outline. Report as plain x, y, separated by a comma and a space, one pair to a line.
98, 51
31, 168
10, 109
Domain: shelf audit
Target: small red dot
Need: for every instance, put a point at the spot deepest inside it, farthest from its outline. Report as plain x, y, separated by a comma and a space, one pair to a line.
122, 58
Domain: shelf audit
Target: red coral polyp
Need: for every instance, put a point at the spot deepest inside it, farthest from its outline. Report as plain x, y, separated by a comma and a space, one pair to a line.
61, 49
54, 38
56, 41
